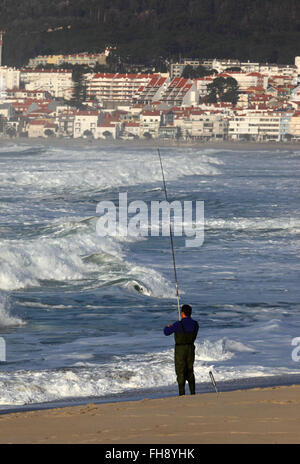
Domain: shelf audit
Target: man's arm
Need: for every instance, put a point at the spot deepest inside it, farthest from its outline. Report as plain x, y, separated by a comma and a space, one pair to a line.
169, 329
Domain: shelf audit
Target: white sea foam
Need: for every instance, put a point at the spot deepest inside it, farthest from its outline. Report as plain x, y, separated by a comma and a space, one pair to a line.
6, 318
127, 373
98, 170
254, 224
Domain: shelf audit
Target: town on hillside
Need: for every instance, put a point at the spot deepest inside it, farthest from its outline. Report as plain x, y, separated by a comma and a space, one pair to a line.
204, 100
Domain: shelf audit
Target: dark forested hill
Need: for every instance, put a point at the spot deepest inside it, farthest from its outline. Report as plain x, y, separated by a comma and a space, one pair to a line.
264, 30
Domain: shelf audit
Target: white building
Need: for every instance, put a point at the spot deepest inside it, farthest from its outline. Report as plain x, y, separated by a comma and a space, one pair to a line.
57, 82
202, 125
295, 126
150, 122
246, 80
9, 79
85, 122
41, 128
281, 69
255, 126
180, 92
152, 91
115, 88
176, 69
85, 59
132, 129
2, 89
201, 85
297, 63
106, 131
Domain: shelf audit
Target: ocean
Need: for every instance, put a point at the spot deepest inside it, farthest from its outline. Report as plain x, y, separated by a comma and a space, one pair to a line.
82, 316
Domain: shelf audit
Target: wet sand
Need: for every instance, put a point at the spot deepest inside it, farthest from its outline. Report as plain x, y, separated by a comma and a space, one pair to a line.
267, 416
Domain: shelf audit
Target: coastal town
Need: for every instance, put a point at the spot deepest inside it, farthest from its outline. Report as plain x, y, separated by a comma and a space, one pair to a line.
231, 100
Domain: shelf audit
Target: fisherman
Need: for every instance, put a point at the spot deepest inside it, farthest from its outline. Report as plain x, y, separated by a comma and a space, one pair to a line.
185, 332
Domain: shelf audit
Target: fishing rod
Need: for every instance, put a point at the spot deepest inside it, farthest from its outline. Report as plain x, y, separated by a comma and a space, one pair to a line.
213, 381
171, 238
174, 262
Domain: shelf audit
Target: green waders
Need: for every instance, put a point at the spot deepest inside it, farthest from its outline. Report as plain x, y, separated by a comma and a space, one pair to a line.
184, 360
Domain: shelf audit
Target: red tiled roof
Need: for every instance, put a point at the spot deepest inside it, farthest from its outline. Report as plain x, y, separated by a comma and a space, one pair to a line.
38, 122
87, 113
150, 113
255, 74
105, 124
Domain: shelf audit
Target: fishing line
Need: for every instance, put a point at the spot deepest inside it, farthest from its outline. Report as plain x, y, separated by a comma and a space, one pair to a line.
171, 238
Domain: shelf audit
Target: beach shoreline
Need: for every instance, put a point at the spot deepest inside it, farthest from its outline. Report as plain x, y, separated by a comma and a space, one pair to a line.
247, 383
254, 416
153, 143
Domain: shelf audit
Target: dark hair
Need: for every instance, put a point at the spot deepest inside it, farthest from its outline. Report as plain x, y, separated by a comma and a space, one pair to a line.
186, 309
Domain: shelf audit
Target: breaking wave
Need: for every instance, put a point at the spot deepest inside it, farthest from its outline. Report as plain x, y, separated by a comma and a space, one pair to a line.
126, 373
73, 253
6, 318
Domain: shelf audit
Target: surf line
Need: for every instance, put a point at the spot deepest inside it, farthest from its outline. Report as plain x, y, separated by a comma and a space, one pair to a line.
174, 262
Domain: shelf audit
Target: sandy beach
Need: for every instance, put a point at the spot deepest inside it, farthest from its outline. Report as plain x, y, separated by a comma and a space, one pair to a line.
266, 416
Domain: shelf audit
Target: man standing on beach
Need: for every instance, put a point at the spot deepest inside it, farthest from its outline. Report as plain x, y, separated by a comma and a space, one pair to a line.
185, 333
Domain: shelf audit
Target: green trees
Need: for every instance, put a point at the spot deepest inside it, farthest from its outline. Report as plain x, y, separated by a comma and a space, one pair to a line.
259, 30
223, 89
196, 72
11, 131
79, 90
87, 133
49, 132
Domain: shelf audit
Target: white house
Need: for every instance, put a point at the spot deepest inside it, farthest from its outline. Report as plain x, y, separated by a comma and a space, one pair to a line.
132, 129
150, 122
106, 131
85, 122
38, 128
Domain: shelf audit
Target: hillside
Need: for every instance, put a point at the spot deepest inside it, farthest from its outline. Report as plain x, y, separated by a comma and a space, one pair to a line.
264, 30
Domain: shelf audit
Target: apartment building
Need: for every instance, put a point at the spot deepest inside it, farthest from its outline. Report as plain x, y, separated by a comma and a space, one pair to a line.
180, 92
85, 59
202, 125
176, 69
110, 89
295, 126
9, 79
152, 91
246, 80
201, 85
255, 126
57, 82
3, 92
